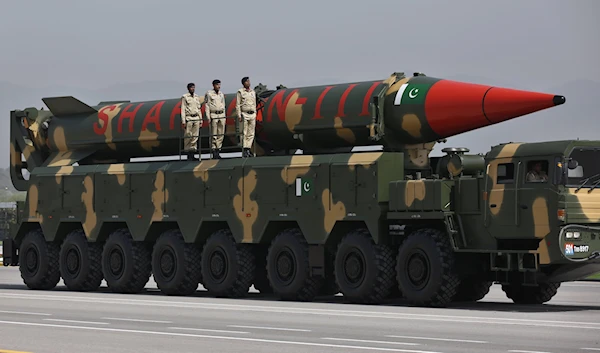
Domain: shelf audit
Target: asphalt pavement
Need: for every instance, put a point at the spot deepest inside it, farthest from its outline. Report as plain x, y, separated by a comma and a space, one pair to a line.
98, 322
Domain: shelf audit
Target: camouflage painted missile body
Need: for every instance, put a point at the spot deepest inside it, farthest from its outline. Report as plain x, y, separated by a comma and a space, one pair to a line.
300, 225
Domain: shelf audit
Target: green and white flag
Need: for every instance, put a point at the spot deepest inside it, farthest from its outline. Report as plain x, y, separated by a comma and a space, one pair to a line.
303, 186
412, 93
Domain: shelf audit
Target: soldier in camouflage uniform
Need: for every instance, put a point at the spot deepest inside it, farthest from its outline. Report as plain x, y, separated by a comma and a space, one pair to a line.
215, 114
190, 120
245, 108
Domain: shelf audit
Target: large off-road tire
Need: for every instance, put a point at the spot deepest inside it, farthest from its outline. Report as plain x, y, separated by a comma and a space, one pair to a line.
539, 294
425, 269
364, 271
175, 264
126, 264
227, 267
288, 268
38, 261
472, 290
81, 262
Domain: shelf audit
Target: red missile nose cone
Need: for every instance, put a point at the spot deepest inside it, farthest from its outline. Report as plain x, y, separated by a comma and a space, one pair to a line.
501, 104
455, 107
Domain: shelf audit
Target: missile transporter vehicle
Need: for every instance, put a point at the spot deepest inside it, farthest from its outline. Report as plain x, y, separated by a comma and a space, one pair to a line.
373, 225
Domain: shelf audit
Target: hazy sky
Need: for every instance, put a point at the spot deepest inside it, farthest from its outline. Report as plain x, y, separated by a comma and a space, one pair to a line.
150, 49
100, 43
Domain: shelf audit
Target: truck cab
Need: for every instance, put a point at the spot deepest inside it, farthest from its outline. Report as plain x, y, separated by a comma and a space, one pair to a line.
542, 207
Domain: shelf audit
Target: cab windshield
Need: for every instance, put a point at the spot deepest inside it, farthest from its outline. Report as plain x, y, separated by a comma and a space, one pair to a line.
583, 170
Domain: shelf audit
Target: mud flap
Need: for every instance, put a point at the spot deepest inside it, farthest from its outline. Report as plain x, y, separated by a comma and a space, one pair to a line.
10, 256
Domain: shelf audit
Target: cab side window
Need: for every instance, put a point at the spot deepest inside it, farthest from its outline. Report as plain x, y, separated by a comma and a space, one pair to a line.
537, 171
505, 173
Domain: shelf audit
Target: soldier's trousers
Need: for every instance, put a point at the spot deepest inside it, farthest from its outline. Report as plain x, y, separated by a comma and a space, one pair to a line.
217, 127
190, 139
248, 132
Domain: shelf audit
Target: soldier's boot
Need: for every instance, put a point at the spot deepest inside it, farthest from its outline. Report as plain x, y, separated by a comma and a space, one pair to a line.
246, 152
218, 153
191, 157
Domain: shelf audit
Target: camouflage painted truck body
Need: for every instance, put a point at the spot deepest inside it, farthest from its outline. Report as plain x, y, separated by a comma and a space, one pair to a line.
371, 225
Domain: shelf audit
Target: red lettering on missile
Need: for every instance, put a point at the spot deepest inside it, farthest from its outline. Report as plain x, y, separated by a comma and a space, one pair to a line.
319, 102
343, 100
153, 116
365, 107
176, 111
128, 115
282, 106
102, 116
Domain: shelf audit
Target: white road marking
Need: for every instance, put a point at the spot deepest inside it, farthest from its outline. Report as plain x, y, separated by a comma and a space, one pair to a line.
307, 311
79, 322
370, 341
205, 330
270, 328
136, 320
591, 349
157, 333
518, 351
436, 339
24, 313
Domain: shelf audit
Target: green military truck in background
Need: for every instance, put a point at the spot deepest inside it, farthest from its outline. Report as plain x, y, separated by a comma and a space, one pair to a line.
371, 225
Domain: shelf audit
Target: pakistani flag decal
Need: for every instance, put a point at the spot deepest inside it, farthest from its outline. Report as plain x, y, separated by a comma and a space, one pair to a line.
303, 186
412, 93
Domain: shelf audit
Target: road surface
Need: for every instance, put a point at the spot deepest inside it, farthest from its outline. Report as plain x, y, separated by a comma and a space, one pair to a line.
63, 321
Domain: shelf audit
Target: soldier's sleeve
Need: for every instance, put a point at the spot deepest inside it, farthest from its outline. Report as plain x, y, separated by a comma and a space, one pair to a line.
206, 108
224, 105
238, 98
183, 104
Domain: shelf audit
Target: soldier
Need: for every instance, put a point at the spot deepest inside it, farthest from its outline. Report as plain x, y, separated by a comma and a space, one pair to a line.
537, 174
215, 114
190, 120
245, 108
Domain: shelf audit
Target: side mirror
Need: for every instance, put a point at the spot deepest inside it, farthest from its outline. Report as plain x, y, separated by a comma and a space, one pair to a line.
572, 164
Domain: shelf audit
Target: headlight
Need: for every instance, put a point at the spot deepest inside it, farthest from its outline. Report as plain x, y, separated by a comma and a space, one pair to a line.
569, 235
576, 235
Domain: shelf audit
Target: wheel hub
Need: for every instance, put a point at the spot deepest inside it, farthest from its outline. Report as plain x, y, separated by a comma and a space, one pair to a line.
418, 269
31, 260
116, 262
286, 266
167, 263
73, 261
354, 267
218, 265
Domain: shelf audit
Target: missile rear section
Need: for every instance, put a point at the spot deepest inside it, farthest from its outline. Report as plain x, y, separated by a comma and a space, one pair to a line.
293, 225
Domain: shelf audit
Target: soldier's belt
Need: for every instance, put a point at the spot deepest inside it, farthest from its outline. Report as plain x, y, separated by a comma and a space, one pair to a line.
193, 115
249, 112
218, 111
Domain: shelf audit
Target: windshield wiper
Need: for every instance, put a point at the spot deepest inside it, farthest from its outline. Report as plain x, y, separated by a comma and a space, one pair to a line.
585, 181
594, 185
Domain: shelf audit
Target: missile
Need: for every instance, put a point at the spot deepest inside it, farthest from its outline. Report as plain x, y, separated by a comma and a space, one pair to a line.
394, 112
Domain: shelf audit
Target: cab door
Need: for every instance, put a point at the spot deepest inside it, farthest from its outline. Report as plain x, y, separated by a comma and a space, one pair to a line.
501, 217
536, 197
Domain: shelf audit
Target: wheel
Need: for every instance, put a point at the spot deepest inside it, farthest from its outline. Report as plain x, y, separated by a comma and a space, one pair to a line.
425, 268
539, 294
472, 290
227, 267
364, 271
288, 268
39, 261
175, 264
81, 262
126, 264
